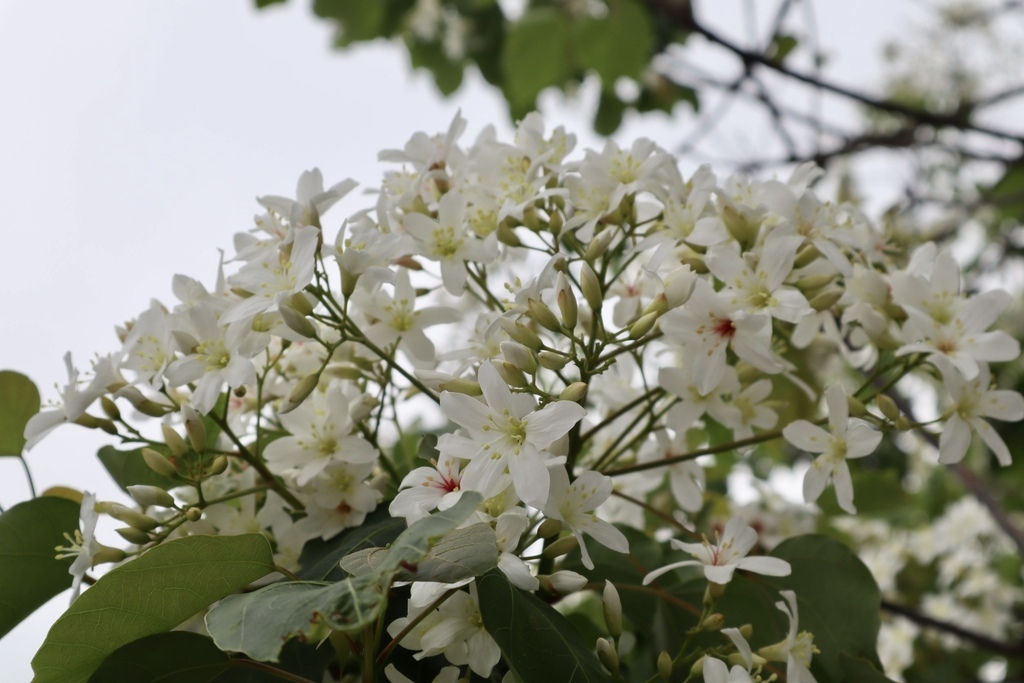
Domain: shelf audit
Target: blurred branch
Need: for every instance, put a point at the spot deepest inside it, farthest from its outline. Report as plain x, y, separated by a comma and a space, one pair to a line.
981, 640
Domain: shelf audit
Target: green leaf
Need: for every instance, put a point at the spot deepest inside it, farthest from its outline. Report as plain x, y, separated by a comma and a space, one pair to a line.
536, 54
430, 56
1007, 194
150, 594
463, 554
616, 45
19, 401
781, 46
610, 110
539, 644
319, 559
258, 624
29, 574
260, 4
127, 468
838, 601
860, 670
173, 657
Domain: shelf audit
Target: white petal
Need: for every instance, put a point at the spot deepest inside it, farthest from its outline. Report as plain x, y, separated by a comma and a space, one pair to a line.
954, 441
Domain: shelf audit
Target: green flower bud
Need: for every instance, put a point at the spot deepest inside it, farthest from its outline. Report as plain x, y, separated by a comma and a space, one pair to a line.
644, 325
133, 535
713, 622
740, 226
462, 386
607, 655
296, 322
194, 427
612, 610
147, 496
542, 315
888, 407
174, 441
299, 393
519, 356
561, 546
301, 303
521, 333
590, 285
552, 360
856, 406
549, 527
810, 283
512, 375
159, 464
575, 392
598, 246
125, 514
826, 299
665, 665
110, 408
193, 514
218, 466
567, 305
808, 254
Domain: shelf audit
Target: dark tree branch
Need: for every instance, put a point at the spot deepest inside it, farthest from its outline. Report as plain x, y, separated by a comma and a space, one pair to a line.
981, 640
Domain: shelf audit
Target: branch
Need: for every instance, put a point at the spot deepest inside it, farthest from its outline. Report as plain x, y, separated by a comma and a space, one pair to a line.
983, 641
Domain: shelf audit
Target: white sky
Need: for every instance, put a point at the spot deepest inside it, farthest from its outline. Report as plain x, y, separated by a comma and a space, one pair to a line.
134, 137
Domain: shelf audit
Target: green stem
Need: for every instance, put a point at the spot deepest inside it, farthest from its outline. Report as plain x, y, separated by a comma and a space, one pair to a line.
710, 450
273, 671
28, 476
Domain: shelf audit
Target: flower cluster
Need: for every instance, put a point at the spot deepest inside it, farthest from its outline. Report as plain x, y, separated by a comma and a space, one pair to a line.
582, 335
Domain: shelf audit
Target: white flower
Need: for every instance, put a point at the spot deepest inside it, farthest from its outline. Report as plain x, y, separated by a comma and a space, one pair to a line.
760, 289
849, 438
76, 401
83, 546
460, 635
973, 400
340, 498
427, 488
717, 671
311, 200
574, 504
796, 649
708, 324
508, 528
449, 241
506, 432
727, 555
320, 433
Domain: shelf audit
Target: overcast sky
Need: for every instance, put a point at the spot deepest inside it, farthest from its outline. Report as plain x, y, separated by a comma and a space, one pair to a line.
134, 137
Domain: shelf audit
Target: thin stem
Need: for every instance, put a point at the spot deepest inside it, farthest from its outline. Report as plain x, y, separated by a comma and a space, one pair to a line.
413, 623
668, 519
273, 671
1011, 650
28, 476
710, 450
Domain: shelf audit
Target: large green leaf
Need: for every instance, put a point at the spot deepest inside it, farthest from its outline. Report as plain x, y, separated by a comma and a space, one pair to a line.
463, 554
838, 600
19, 401
536, 54
29, 574
539, 644
319, 559
618, 44
259, 623
127, 468
860, 671
151, 594
172, 657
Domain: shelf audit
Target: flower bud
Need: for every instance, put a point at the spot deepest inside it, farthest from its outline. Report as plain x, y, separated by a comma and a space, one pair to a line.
194, 427
133, 535
107, 554
856, 406
193, 514
826, 299
590, 285
606, 653
747, 373
152, 408
519, 356
713, 592
567, 304
462, 386
361, 409
299, 393
713, 622
542, 315
807, 254
555, 223
746, 630
665, 665
575, 392
549, 527
512, 375
296, 322
300, 301
125, 514
658, 305
888, 407
110, 408
552, 360
810, 283
563, 582
507, 235
698, 667
740, 226
598, 245
174, 441
219, 464
612, 610
159, 464
147, 496
521, 333
903, 424
561, 546
644, 325
107, 426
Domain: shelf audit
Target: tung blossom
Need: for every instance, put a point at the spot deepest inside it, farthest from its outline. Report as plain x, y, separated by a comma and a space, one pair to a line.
846, 439
505, 432
973, 401
575, 505
725, 556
